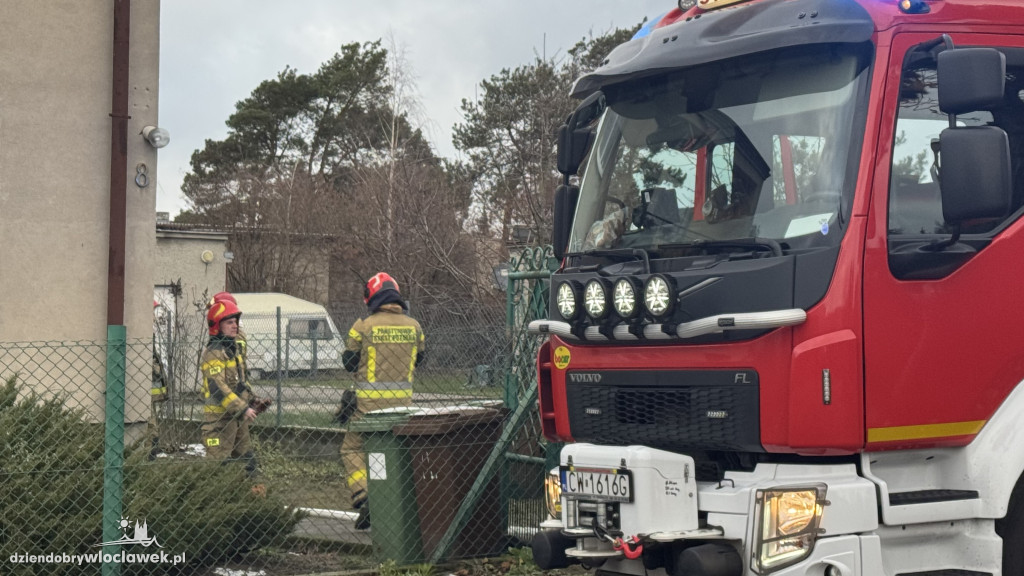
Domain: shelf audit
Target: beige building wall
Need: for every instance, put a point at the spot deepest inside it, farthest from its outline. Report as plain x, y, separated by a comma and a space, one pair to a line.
190, 268
56, 62
180, 256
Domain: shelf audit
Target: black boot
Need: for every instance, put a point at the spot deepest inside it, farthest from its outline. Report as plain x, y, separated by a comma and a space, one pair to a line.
363, 520
252, 465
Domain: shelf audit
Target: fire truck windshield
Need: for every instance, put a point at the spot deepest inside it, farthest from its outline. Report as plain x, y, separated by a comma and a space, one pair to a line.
762, 146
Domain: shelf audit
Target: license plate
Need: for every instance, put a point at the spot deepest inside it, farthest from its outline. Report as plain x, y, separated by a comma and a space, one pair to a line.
598, 484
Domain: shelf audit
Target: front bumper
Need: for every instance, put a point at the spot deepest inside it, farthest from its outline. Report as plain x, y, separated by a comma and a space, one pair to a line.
671, 511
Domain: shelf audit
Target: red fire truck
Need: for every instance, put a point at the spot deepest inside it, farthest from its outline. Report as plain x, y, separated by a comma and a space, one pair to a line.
785, 336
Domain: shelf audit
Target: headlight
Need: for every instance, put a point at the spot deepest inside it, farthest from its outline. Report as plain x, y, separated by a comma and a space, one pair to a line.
624, 297
595, 299
788, 525
553, 493
566, 300
659, 296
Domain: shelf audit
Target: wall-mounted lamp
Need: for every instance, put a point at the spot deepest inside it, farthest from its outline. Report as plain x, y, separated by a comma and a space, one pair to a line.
157, 137
206, 256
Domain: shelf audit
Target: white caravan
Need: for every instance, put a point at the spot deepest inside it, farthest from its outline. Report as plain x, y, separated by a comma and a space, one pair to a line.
307, 341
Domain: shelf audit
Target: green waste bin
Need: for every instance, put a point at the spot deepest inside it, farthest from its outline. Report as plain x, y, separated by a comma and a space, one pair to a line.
394, 516
447, 448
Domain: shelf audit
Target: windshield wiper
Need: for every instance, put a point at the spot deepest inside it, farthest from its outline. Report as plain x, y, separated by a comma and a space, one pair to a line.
636, 253
758, 243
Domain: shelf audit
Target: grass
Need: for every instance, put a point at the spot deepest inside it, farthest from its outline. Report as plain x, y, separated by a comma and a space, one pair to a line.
322, 417
305, 380
302, 418
427, 382
306, 482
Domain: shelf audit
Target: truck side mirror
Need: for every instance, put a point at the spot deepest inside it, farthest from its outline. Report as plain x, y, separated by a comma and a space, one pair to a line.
565, 207
975, 173
577, 134
970, 79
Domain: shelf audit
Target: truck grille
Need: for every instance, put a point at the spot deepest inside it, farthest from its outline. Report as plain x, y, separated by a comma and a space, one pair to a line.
677, 410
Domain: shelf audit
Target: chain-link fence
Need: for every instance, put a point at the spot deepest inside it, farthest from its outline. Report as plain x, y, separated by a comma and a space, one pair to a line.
102, 459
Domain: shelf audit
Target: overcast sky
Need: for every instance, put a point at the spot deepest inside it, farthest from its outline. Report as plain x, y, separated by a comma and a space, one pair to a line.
213, 53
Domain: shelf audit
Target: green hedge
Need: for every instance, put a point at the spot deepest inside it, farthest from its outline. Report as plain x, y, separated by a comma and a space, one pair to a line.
51, 496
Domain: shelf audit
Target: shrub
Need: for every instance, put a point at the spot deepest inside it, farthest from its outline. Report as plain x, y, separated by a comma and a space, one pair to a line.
208, 511
51, 479
51, 495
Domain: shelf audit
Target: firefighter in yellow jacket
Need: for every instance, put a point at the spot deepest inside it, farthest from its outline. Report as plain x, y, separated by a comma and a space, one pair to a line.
384, 348
243, 343
226, 393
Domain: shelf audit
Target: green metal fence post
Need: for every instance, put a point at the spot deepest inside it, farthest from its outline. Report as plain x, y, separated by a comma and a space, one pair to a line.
511, 381
511, 392
312, 363
113, 444
279, 375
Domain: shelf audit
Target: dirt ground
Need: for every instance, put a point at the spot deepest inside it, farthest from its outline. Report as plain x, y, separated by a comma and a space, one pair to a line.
518, 562
291, 563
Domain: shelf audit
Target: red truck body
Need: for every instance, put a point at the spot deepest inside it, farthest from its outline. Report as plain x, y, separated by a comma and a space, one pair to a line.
899, 362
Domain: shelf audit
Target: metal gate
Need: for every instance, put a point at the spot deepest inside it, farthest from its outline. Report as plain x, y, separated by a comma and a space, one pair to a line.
522, 456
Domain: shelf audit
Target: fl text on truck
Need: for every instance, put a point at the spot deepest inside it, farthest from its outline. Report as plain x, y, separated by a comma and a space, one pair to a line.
787, 333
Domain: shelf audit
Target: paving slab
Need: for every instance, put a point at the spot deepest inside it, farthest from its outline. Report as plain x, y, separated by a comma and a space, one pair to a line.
332, 529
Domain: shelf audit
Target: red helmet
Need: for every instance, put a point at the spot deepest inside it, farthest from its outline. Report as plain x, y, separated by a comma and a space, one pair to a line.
222, 297
379, 281
219, 311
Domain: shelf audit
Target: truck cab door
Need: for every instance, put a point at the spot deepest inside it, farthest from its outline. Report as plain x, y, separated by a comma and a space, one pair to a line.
942, 335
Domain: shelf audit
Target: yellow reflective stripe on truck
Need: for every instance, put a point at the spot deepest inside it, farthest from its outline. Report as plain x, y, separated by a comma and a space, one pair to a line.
920, 431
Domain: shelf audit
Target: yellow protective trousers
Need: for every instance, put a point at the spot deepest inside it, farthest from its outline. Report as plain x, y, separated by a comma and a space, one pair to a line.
352, 454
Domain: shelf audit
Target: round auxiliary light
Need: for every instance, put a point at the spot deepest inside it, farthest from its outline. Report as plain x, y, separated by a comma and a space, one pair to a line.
566, 299
659, 296
914, 6
595, 299
624, 297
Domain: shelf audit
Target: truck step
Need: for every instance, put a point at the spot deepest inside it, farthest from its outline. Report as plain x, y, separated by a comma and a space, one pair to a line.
953, 572
929, 497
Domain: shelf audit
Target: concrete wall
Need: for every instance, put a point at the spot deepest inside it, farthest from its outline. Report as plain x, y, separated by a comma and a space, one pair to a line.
56, 66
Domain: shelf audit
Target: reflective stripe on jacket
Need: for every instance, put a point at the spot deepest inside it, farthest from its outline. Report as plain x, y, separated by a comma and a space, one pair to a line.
225, 389
158, 390
387, 342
